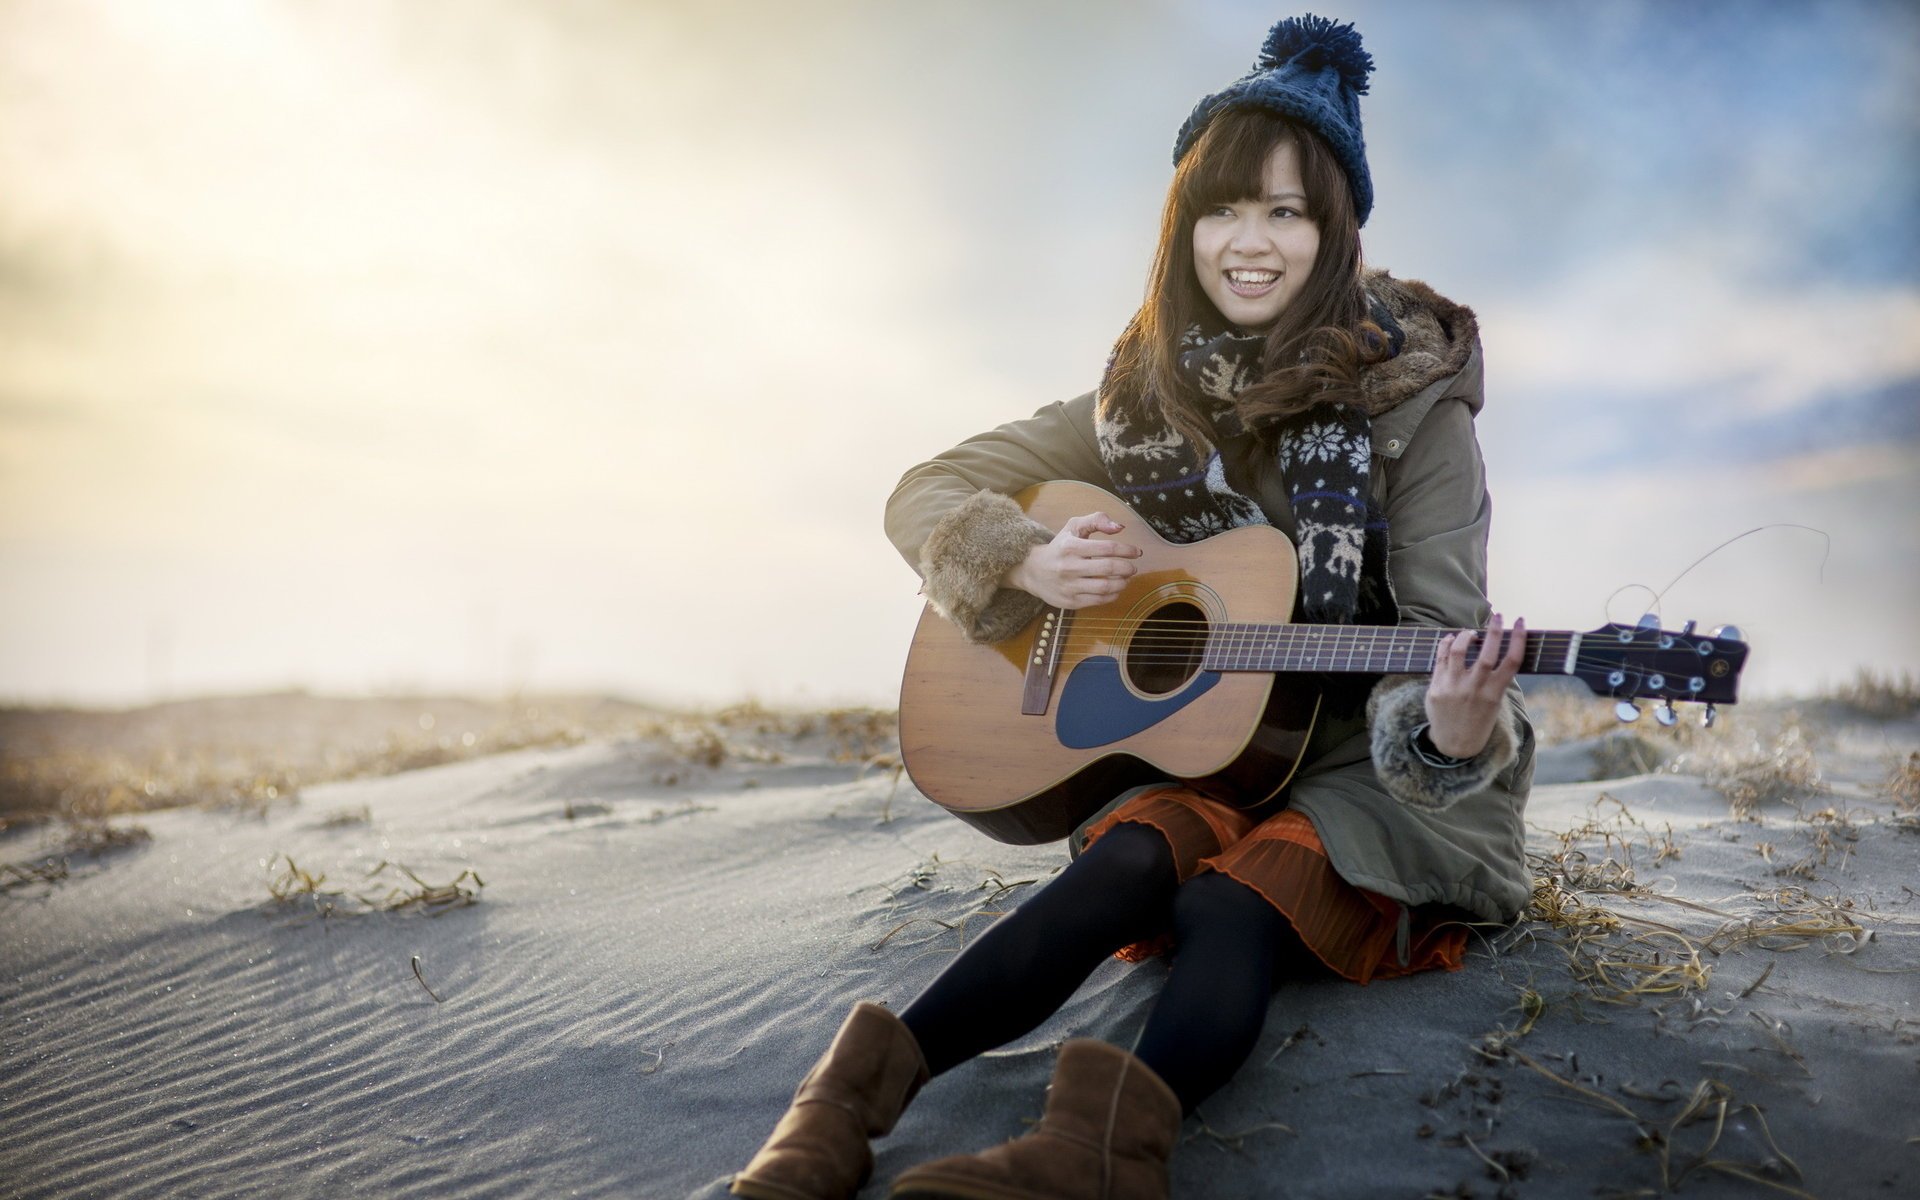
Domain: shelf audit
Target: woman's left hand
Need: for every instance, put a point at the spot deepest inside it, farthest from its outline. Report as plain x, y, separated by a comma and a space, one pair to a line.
1463, 702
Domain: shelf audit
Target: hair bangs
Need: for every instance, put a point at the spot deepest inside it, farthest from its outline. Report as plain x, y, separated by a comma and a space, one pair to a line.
1229, 162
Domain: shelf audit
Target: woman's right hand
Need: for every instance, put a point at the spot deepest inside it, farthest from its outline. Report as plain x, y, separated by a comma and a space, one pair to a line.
1076, 570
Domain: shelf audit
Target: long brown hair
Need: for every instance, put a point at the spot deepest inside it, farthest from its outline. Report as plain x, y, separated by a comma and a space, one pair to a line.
1316, 349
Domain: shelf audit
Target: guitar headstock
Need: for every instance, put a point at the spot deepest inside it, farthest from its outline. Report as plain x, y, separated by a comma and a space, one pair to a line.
1628, 662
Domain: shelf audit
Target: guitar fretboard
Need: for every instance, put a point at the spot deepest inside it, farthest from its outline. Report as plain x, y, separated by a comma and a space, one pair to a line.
1373, 649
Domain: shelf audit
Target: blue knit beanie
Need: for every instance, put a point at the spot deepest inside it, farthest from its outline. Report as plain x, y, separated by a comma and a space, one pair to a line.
1312, 70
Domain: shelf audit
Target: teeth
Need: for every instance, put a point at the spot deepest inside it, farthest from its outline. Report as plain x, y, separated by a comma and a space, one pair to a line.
1253, 277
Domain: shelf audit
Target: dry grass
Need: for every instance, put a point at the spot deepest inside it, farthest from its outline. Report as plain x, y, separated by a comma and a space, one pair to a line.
347, 818
49, 870
1589, 903
854, 735
1761, 763
90, 786
253, 753
293, 886
431, 898
1561, 715
751, 733
83, 839
922, 878
1829, 831
1902, 786
1884, 697
1584, 899
1711, 1104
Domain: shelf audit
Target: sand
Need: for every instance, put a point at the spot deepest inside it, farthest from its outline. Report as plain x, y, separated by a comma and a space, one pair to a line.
660, 933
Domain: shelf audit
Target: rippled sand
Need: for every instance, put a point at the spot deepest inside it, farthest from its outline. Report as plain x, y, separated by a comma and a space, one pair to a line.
664, 932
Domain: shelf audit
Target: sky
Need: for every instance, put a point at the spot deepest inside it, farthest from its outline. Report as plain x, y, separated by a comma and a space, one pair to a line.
485, 345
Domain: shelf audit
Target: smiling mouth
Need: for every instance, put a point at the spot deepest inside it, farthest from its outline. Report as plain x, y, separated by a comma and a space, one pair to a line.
1251, 283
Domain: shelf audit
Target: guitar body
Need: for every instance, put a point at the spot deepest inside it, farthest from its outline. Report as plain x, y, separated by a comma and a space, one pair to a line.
1125, 700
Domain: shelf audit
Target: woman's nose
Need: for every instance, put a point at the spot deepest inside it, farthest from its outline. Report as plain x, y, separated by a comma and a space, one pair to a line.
1249, 238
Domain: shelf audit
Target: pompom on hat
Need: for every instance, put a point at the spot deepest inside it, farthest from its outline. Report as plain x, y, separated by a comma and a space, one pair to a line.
1314, 71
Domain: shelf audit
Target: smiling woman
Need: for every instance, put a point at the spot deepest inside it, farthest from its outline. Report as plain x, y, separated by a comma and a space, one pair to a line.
1247, 390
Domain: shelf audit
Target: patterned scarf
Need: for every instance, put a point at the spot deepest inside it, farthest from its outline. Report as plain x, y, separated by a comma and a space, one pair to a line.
1324, 455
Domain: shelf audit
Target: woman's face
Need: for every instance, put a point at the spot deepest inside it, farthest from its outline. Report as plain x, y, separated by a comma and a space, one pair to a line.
1253, 255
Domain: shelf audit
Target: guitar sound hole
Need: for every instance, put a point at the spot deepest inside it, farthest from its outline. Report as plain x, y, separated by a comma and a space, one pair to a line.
1165, 651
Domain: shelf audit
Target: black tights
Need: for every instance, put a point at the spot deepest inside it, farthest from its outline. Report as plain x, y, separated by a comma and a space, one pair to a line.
1124, 889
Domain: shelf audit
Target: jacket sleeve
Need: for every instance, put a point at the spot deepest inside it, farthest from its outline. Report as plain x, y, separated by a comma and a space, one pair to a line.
952, 520
1438, 515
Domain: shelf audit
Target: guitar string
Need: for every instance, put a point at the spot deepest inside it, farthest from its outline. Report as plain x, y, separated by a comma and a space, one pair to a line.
1371, 640
1388, 658
1350, 640
1418, 668
1344, 634
1321, 658
1321, 647
1173, 646
1330, 630
1180, 651
1339, 664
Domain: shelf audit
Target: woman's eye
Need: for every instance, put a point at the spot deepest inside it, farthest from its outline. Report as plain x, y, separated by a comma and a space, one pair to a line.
1284, 211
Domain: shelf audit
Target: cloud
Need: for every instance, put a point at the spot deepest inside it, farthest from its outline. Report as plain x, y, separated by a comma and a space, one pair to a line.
1678, 361
1662, 320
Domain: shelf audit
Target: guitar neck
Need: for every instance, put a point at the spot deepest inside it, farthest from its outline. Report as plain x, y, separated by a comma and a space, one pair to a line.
1369, 649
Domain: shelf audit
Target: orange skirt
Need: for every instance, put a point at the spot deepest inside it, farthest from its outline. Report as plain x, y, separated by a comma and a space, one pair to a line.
1349, 929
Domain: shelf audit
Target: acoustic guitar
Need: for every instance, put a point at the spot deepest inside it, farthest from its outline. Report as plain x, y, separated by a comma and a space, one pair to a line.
1186, 676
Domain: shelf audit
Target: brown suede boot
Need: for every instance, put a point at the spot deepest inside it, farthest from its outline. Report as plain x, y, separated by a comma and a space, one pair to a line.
1110, 1125
819, 1149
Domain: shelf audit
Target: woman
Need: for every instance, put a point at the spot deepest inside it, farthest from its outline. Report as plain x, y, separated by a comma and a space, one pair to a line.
1266, 379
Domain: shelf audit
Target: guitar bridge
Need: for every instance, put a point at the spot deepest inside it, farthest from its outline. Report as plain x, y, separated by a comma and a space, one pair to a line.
1043, 661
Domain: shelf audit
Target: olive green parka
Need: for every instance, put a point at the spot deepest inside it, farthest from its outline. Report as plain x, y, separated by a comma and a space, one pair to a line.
1391, 822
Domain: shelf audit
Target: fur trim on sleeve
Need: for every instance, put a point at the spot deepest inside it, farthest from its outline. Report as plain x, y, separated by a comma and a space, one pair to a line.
1397, 707
965, 556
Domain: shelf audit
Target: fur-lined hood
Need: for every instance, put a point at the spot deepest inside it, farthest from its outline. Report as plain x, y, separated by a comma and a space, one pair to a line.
1440, 338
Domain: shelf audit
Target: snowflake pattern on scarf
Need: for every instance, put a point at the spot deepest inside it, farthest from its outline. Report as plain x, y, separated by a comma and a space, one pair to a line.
1340, 536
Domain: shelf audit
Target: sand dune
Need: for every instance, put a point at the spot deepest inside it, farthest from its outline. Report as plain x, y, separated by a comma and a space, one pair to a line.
663, 933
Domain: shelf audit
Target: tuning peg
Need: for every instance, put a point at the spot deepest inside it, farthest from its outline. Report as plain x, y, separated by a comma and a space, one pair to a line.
1665, 714
1706, 718
1687, 628
1627, 711
1727, 633
1648, 621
